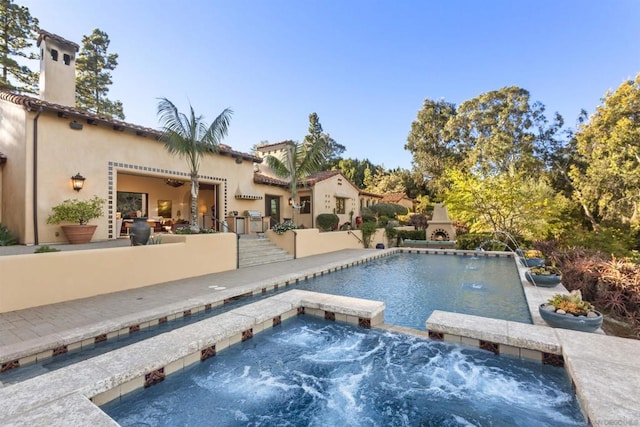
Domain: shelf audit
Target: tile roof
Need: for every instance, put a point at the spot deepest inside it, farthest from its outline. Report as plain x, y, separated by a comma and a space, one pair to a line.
394, 197
34, 104
321, 176
47, 35
259, 178
369, 193
267, 147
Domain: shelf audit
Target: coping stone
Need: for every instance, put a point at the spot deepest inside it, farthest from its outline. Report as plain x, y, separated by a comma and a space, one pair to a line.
600, 347
466, 325
607, 391
72, 410
533, 337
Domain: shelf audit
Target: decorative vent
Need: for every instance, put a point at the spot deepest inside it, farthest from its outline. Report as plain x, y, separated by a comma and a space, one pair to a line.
248, 197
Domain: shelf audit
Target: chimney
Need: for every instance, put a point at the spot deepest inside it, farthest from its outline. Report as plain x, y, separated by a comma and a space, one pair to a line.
57, 69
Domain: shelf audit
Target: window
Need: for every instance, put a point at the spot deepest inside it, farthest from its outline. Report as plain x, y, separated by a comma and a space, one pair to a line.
305, 201
54, 54
340, 203
66, 58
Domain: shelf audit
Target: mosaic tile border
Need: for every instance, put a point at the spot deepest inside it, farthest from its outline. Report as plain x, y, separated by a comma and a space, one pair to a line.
134, 327
113, 166
158, 375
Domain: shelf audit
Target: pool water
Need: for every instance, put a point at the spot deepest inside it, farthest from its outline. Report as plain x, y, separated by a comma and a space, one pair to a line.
413, 285
313, 372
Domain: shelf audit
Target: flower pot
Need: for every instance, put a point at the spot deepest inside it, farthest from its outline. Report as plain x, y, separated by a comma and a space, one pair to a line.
78, 234
532, 262
139, 232
543, 280
569, 321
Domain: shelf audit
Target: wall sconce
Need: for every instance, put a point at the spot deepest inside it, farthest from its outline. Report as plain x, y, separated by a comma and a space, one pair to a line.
75, 125
173, 182
294, 205
290, 201
77, 181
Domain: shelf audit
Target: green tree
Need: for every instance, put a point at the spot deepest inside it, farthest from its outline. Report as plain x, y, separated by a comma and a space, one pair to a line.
608, 184
93, 76
332, 150
432, 150
501, 130
509, 201
190, 137
355, 170
298, 162
18, 29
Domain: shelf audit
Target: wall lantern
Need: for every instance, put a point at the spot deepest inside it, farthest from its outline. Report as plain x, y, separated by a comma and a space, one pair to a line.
77, 181
290, 201
75, 125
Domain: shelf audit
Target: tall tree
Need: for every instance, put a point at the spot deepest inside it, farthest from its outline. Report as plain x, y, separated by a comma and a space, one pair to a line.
432, 150
355, 170
18, 30
332, 150
608, 184
93, 76
190, 137
298, 162
500, 130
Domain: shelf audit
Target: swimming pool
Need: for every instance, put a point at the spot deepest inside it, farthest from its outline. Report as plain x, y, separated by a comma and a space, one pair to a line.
413, 285
313, 372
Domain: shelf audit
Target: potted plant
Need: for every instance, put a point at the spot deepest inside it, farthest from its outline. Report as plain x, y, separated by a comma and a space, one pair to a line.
530, 257
571, 312
79, 213
546, 276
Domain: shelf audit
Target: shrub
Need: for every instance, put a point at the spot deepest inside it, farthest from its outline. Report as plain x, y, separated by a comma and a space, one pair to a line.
282, 227
390, 210
6, 237
77, 211
368, 229
45, 249
327, 221
412, 234
187, 230
419, 221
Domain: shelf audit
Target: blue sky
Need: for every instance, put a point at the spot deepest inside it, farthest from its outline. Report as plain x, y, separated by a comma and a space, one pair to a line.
364, 66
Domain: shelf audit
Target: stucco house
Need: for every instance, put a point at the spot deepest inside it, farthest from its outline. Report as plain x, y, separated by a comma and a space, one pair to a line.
45, 141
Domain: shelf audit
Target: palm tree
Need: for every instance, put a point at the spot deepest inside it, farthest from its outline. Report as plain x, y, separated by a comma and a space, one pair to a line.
298, 161
190, 137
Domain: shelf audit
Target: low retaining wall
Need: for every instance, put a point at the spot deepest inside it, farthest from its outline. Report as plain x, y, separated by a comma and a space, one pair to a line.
37, 279
311, 241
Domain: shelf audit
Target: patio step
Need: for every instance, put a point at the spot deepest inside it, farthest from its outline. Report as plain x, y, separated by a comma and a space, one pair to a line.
260, 251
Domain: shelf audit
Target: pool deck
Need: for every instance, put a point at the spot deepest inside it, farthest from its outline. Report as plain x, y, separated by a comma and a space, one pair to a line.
605, 370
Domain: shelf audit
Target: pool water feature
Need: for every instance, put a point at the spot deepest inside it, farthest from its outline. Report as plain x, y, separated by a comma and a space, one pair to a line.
315, 372
413, 285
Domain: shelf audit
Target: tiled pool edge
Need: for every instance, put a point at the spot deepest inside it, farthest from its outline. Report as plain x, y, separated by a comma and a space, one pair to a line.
44, 347
604, 370
58, 343
108, 376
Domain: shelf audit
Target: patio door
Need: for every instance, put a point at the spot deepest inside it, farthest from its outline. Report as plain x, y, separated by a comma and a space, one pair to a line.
272, 209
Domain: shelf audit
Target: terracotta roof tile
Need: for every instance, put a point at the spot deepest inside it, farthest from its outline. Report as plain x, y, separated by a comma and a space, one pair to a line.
369, 193
259, 178
33, 104
275, 144
394, 197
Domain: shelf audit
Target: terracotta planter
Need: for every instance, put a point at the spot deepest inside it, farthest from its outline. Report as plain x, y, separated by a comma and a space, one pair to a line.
569, 321
78, 234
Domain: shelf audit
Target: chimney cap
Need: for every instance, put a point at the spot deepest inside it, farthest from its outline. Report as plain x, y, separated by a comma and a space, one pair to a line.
47, 35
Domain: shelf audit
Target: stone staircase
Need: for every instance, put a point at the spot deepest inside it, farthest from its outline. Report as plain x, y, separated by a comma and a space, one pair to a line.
260, 251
